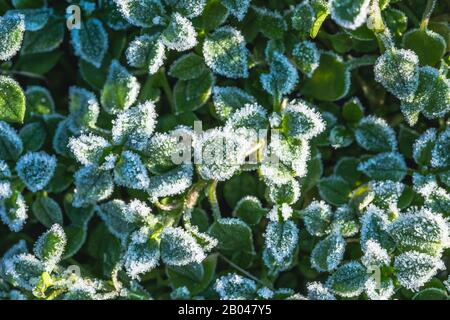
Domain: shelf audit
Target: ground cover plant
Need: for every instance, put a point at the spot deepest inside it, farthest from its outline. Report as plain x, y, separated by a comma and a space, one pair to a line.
224, 149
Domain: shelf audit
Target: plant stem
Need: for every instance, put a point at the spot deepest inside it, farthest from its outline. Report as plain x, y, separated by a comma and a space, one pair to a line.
190, 202
427, 14
247, 274
212, 196
167, 90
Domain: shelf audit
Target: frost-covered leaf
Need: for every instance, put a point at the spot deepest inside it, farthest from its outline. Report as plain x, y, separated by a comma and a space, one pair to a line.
178, 248
134, 127
35, 169
375, 255
12, 100
50, 246
130, 172
271, 23
374, 134
220, 154
90, 42
317, 218
384, 166
318, 291
84, 109
386, 193
423, 147
172, 182
187, 67
44, 40
349, 279
180, 35
302, 121
113, 215
440, 155
234, 239
282, 78
281, 239
11, 145
432, 96
237, 8
250, 210
346, 221
228, 99
35, 19
225, 53
414, 269
141, 13
349, 14
25, 270
12, 28
306, 57
303, 18
121, 89
142, 254
91, 185
88, 148
235, 287
398, 71
252, 117
328, 253
374, 227
13, 212
421, 231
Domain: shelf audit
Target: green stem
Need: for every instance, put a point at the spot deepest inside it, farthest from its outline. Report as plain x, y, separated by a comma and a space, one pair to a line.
427, 14
366, 60
190, 202
212, 197
247, 274
167, 90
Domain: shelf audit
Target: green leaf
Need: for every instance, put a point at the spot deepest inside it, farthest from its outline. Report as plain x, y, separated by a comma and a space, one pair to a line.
33, 136
328, 253
428, 45
39, 101
249, 210
11, 146
45, 40
12, 100
187, 67
334, 190
229, 99
271, 23
50, 246
374, 134
76, 237
11, 35
120, 90
431, 294
353, 110
235, 240
384, 166
346, 168
90, 42
213, 15
47, 61
47, 211
349, 279
196, 277
192, 94
330, 81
